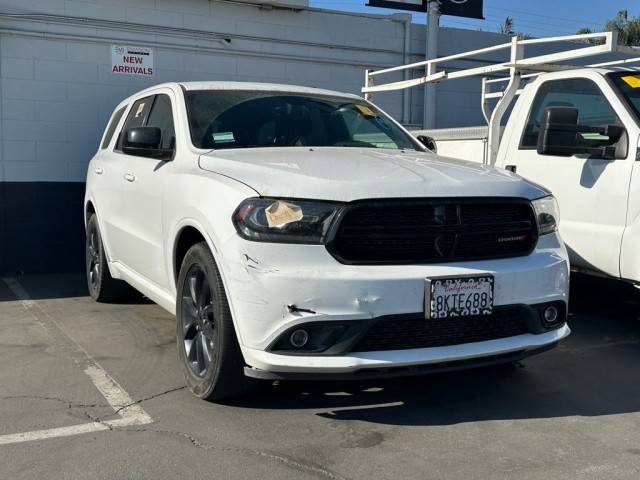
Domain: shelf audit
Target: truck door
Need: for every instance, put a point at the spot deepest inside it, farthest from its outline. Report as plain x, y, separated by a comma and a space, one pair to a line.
592, 192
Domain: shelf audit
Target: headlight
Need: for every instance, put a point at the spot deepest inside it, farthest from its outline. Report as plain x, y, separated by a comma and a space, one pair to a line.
284, 221
547, 214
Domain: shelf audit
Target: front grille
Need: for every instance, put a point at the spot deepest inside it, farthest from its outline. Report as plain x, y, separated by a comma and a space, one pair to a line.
418, 332
434, 230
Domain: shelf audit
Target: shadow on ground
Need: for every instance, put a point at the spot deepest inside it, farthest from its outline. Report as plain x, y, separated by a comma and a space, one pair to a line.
64, 285
594, 372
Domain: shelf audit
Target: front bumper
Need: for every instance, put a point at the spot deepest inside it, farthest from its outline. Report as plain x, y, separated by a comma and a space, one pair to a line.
393, 371
358, 365
264, 281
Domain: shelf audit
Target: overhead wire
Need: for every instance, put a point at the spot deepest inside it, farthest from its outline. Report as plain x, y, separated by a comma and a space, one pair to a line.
523, 21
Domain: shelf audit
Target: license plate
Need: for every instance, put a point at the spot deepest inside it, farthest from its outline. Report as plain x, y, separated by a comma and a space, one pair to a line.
447, 297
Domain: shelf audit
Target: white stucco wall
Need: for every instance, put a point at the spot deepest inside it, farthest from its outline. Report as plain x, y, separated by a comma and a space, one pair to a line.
58, 91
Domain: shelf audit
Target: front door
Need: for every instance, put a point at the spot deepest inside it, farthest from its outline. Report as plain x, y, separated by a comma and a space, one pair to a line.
144, 181
591, 191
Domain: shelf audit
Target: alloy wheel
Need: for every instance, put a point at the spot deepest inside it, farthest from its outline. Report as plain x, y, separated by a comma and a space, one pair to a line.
198, 322
93, 258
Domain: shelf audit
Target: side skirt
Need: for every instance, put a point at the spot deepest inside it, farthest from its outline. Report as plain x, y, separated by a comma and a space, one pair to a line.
163, 298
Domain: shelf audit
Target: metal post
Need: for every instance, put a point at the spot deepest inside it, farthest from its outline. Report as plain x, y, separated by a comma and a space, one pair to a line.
367, 83
495, 122
433, 25
406, 94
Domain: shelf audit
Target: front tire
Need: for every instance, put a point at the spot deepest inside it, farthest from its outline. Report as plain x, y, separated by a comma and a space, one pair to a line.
207, 344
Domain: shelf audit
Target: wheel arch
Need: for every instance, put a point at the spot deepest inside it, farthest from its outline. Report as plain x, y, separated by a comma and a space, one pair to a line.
188, 234
89, 209
186, 238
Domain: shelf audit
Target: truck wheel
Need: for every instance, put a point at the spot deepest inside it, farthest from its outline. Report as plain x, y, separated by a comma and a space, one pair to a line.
102, 286
207, 344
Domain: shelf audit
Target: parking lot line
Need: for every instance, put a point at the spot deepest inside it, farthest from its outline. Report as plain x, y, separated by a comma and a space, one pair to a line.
129, 412
52, 433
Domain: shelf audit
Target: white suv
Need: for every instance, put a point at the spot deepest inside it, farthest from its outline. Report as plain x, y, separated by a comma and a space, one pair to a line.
302, 233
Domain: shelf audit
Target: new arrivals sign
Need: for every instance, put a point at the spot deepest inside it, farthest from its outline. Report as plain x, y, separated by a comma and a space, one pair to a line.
132, 60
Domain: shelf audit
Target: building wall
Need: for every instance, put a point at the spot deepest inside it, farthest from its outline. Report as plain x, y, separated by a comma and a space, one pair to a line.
58, 91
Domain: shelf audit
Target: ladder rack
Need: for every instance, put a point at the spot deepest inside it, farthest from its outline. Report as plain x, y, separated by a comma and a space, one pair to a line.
518, 67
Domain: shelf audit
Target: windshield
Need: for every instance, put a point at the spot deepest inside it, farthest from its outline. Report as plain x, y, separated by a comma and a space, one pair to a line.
243, 119
628, 83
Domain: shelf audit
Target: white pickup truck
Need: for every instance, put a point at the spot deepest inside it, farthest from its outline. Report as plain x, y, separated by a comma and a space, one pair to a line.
574, 130
302, 233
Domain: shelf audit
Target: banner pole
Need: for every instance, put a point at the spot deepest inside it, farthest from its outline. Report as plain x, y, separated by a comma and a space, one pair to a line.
433, 25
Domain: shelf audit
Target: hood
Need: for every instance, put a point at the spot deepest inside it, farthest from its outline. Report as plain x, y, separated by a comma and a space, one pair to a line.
346, 174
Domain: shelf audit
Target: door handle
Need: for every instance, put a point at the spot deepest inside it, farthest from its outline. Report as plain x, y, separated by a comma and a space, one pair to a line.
129, 177
511, 168
99, 171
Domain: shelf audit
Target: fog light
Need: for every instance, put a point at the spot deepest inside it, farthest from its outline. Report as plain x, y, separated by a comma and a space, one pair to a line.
551, 315
299, 338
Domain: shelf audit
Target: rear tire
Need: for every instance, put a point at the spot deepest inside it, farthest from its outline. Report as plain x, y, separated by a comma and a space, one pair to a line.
102, 286
207, 344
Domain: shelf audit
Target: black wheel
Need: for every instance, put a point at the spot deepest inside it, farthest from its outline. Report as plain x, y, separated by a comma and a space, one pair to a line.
207, 344
102, 286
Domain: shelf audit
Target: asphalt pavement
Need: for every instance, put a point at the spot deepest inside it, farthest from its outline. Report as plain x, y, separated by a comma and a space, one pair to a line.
93, 390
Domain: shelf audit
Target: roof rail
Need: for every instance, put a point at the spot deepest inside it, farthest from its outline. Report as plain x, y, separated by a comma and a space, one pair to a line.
516, 68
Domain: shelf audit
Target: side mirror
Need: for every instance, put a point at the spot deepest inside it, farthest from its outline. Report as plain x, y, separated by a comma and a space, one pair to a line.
559, 132
561, 135
428, 142
614, 132
145, 142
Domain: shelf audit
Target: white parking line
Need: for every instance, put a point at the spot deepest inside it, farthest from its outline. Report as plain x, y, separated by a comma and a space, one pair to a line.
129, 412
52, 433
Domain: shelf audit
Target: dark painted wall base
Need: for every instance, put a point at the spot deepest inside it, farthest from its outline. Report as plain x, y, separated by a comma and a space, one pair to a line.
41, 227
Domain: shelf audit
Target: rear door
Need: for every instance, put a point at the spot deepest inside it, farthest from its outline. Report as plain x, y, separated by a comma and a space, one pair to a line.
591, 191
103, 180
144, 181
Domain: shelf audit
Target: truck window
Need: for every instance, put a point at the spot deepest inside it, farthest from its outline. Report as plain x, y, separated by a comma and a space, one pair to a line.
161, 116
137, 115
112, 127
593, 107
628, 84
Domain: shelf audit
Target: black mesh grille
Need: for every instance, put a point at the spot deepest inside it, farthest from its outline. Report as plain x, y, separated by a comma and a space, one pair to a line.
418, 332
434, 230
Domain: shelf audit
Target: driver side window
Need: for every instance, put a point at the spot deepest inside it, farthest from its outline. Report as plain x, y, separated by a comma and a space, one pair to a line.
136, 118
584, 95
161, 116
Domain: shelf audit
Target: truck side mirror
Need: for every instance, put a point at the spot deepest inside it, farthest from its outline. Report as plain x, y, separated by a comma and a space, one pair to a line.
145, 142
559, 132
428, 142
614, 132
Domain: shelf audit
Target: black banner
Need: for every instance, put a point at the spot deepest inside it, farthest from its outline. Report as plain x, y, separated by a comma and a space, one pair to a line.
462, 8
413, 5
456, 8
